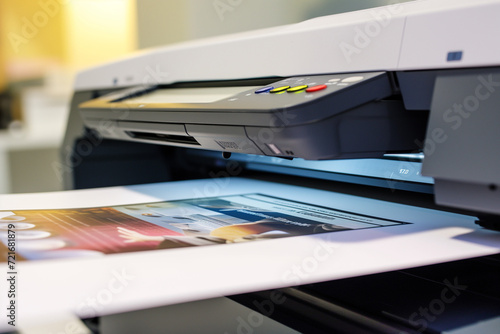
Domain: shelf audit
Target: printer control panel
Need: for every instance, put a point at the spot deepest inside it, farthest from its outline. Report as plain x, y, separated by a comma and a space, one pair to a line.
296, 90
307, 84
313, 117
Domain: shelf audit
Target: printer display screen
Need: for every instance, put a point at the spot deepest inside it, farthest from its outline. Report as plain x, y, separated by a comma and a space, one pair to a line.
189, 95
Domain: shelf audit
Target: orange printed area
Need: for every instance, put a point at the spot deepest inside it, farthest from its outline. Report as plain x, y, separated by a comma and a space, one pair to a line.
94, 231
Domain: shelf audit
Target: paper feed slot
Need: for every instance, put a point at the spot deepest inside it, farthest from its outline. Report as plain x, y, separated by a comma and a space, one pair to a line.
162, 137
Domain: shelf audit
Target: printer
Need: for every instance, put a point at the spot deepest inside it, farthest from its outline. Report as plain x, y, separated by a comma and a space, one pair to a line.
398, 103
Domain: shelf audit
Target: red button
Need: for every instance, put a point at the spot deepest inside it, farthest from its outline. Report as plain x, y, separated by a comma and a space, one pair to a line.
315, 88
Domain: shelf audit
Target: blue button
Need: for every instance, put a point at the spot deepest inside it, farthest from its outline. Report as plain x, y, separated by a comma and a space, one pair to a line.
454, 56
264, 89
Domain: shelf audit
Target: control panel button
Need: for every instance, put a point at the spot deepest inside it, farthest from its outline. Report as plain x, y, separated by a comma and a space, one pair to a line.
279, 89
353, 79
264, 89
315, 88
296, 88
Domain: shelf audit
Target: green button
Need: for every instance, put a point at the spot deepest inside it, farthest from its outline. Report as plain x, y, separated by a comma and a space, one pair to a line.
279, 89
296, 88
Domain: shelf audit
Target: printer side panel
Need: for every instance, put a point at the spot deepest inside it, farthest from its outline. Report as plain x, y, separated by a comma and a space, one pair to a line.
461, 146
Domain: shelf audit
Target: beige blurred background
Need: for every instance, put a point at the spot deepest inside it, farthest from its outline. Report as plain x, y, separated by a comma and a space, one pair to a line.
43, 43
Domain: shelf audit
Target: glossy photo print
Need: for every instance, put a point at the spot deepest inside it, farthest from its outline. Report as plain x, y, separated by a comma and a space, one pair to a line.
43, 234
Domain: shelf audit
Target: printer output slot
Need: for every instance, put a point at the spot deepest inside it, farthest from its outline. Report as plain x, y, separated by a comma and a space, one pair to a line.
163, 137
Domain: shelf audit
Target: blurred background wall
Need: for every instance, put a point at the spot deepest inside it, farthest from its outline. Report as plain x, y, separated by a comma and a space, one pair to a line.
43, 43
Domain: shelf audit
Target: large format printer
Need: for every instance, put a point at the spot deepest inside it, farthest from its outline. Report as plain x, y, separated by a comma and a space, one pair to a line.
397, 103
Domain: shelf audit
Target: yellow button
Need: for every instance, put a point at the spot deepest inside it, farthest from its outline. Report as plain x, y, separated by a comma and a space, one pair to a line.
279, 89
296, 88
